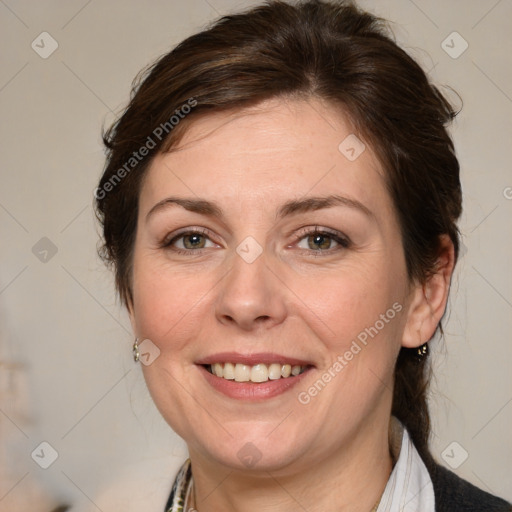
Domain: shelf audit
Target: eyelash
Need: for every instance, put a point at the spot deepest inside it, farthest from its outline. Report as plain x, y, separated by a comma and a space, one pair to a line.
343, 241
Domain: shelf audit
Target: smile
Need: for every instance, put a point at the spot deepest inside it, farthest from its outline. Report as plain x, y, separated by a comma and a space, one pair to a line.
257, 373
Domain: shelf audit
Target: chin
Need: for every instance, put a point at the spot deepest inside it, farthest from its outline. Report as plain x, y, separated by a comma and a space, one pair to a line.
253, 449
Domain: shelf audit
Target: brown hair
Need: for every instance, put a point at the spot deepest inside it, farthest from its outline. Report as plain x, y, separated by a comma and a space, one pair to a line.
328, 50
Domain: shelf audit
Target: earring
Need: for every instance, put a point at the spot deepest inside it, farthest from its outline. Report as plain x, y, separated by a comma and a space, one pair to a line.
422, 352
136, 354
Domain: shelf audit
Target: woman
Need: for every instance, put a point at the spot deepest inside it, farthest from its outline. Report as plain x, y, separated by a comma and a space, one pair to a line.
279, 204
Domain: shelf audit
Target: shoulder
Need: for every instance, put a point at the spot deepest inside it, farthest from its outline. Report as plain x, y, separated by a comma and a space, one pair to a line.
454, 494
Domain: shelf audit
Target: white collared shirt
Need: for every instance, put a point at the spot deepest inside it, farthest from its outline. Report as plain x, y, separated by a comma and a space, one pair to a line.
409, 487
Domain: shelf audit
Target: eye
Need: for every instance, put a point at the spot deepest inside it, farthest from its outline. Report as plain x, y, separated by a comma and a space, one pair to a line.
321, 240
317, 240
187, 242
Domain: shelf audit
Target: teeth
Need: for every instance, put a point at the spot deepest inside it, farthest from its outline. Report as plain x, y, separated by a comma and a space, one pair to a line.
274, 371
286, 370
257, 373
217, 369
295, 370
242, 373
229, 371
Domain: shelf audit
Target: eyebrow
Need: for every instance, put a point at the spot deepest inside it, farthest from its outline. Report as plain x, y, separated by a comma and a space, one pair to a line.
292, 207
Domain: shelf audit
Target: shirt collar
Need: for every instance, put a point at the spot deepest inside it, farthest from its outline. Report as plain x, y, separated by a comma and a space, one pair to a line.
409, 487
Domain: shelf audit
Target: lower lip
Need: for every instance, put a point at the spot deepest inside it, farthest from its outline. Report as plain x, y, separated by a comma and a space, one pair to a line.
252, 391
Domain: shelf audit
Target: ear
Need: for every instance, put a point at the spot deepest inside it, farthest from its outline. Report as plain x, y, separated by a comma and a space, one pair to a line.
428, 300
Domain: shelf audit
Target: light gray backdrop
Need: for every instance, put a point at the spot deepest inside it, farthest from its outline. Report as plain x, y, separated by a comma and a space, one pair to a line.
66, 373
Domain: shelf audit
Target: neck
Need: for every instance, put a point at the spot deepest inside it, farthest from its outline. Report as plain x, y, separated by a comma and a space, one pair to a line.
348, 479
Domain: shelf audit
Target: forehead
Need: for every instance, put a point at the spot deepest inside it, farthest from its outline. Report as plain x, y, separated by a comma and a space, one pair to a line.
262, 155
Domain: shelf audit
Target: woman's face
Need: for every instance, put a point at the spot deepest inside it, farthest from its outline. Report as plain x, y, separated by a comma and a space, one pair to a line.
270, 278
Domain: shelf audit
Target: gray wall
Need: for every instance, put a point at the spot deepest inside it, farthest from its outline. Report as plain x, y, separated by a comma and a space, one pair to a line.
66, 374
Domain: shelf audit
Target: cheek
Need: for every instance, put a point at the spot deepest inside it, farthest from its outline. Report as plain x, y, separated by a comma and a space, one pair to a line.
352, 300
164, 299
168, 312
360, 318
364, 315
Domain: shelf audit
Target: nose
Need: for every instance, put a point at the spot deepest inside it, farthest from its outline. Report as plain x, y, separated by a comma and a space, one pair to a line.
251, 295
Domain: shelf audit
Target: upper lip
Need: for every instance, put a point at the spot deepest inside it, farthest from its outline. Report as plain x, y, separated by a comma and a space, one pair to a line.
253, 359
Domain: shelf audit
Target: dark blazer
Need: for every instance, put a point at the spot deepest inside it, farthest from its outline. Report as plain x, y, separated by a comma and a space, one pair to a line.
453, 494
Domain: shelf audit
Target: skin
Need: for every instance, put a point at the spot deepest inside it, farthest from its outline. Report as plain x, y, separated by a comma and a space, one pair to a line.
297, 298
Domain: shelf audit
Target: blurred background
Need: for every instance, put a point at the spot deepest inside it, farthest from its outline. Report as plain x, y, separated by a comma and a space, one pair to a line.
77, 424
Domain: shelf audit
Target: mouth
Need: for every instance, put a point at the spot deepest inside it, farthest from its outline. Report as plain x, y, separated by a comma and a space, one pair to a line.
257, 373
253, 377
